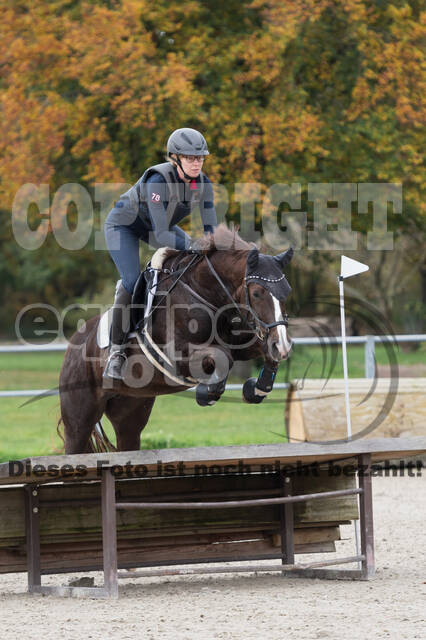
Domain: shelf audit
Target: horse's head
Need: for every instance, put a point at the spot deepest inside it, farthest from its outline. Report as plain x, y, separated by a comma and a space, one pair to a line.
266, 290
255, 284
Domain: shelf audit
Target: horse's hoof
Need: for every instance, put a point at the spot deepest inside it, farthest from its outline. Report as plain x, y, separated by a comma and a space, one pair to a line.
203, 397
249, 392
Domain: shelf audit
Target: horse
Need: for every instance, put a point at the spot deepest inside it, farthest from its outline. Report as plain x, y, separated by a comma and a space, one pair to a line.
221, 303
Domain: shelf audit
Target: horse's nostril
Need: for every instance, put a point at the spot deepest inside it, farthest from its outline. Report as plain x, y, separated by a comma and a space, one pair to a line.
276, 350
282, 349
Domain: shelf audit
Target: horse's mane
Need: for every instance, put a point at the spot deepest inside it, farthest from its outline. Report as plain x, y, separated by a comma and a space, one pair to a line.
222, 238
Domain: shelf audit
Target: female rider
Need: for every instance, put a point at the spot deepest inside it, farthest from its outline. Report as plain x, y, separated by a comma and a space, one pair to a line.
150, 211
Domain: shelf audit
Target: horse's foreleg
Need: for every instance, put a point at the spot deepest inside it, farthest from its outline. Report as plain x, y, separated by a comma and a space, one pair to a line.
211, 367
128, 417
256, 390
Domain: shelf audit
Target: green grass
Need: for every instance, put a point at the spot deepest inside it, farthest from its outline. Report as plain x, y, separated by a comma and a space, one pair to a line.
176, 420
30, 370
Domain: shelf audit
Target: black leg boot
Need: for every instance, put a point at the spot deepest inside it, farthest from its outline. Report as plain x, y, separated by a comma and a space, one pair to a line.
120, 326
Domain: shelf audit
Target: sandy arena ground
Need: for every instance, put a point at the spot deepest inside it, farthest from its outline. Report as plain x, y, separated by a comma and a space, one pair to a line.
250, 606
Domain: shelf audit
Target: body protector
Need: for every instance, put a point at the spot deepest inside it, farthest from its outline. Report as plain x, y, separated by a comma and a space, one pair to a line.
177, 192
175, 189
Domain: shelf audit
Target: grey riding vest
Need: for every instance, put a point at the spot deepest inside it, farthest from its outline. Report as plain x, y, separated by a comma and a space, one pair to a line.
135, 199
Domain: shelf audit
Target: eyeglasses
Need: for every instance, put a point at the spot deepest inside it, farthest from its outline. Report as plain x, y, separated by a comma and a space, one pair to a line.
193, 158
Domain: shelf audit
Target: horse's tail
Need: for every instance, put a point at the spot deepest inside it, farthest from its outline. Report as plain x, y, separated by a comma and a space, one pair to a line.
99, 441
59, 431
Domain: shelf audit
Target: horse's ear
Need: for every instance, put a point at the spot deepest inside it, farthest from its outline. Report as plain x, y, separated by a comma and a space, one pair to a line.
284, 257
253, 258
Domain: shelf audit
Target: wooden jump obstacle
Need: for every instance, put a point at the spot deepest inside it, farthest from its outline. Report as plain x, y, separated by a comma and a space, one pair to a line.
383, 407
171, 507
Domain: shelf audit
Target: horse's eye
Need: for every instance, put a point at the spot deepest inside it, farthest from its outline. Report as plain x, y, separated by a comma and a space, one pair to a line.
256, 294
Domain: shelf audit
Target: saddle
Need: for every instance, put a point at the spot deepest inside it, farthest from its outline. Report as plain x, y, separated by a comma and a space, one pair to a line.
141, 303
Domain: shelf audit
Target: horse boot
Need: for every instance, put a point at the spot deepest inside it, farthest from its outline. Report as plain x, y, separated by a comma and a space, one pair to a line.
120, 326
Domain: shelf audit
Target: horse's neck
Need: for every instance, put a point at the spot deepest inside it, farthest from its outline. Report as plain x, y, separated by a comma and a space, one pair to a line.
230, 277
201, 279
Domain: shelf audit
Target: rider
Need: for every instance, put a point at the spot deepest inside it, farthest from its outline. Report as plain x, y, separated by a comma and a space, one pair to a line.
150, 211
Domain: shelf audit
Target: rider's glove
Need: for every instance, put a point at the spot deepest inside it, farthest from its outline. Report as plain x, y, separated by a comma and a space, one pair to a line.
196, 247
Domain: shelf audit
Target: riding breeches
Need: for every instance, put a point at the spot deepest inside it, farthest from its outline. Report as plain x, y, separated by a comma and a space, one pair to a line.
123, 244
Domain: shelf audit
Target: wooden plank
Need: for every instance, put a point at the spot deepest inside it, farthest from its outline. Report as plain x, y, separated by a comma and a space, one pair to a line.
306, 536
184, 461
178, 532
81, 518
302, 536
137, 552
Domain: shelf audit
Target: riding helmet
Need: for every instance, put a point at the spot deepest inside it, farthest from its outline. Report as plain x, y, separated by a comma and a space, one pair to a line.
188, 142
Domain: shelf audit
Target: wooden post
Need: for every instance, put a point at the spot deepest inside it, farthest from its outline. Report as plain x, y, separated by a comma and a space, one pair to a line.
32, 530
109, 534
287, 523
366, 516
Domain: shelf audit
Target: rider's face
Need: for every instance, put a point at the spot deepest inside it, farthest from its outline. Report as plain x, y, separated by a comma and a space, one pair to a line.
191, 165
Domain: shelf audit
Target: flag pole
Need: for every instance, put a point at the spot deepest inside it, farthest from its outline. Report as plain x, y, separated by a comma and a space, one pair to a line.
348, 268
345, 359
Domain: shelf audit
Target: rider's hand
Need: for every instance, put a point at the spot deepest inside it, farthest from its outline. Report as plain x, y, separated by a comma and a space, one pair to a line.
196, 247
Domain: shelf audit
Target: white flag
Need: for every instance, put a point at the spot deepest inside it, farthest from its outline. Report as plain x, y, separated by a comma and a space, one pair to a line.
351, 267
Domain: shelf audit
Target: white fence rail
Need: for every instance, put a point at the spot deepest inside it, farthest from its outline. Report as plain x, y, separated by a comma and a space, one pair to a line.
369, 356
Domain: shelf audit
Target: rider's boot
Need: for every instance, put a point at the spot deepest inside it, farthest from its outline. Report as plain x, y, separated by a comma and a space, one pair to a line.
120, 326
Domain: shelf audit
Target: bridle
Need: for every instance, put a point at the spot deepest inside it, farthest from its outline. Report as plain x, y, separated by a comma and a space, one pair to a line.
255, 325
251, 319
262, 328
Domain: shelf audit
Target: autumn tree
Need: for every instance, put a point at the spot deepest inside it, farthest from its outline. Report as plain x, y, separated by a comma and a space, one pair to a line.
286, 92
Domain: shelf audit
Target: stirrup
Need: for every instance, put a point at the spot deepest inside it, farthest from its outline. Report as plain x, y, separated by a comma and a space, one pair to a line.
115, 363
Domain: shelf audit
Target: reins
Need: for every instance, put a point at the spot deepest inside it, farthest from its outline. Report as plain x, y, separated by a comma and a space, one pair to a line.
257, 326
171, 273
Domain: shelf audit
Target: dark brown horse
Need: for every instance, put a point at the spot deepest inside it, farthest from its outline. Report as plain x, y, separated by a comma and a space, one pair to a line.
223, 304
